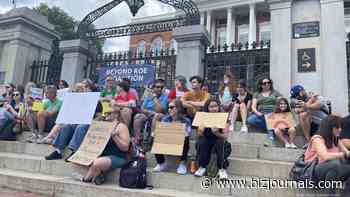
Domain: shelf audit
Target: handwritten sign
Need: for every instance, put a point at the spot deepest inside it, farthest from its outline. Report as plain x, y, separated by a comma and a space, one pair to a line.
78, 108
37, 93
169, 138
138, 74
93, 144
280, 120
210, 120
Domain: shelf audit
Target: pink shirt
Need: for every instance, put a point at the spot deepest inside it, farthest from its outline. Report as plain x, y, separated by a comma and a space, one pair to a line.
311, 154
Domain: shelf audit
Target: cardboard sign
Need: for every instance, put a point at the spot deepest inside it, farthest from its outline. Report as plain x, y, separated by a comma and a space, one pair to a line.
169, 138
93, 144
37, 93
280, 120
78, 108
210, 120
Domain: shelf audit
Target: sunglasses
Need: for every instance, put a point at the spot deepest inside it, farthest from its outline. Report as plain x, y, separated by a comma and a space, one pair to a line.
16, 94
171, 107
266, 82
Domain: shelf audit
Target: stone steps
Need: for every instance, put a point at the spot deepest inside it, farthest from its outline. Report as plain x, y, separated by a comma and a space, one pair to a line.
238, 166
60, 186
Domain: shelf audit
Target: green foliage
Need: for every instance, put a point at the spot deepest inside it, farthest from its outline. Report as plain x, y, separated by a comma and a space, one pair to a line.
64, 24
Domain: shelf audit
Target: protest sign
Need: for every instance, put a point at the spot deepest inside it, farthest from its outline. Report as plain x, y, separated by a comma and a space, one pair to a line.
78, 108
280, 120
37, 93
93, 144
138, 74
168, 138
210, 120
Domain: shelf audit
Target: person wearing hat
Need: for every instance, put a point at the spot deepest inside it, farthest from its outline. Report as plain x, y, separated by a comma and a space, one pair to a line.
310, 107
180, 88
110, 90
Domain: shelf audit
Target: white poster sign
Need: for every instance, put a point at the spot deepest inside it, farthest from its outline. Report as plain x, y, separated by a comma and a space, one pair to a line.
78, 108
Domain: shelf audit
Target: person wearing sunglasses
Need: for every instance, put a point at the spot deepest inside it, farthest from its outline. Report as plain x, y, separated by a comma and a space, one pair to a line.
153, 109
264, 101
176, 114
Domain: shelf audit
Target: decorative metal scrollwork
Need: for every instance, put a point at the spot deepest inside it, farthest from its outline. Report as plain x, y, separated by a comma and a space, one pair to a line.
191, 17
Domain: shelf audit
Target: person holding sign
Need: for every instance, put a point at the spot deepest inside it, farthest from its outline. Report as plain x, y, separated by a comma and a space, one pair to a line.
210, 138
109, 91
194, 100
126, 101
176, 114
45, 120
283, 123
153, 108
114, 154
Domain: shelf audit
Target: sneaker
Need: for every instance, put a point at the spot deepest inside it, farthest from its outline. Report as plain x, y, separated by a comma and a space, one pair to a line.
182, 169
33, 138
244, 129
293, 146
269, 143
54, 156
222, 174
160, 167
287, 145
231, 128
40, 138
100, 179
200, 172
44, 140
69, 156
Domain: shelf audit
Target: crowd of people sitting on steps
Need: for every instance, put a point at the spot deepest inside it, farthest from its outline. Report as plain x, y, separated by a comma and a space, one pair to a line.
327, 136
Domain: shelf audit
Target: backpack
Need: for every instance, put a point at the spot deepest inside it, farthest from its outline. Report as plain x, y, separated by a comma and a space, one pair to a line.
134, 174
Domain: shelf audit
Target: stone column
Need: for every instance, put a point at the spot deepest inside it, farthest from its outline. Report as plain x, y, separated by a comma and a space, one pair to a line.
333, 55
202, 18
252, 23
229, 27
233, 38
212, 31
17, 60
280, 52
191, 50
74, 59
209, 21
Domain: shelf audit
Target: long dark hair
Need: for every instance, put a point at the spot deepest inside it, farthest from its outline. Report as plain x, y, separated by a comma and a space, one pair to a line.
207, 103
326, 130
260, 82
277, 106
179, 109
232, 86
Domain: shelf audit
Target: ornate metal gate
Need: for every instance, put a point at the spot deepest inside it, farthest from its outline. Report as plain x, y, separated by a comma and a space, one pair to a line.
48, 72
244, 63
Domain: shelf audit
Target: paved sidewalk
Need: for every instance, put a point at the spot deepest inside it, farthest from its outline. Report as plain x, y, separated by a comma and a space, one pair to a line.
4, 192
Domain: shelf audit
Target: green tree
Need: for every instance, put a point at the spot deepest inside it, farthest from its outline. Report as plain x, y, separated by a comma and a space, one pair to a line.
64, 24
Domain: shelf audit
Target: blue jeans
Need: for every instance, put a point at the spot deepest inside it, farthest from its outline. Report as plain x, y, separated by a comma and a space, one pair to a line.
257, 121
71, 135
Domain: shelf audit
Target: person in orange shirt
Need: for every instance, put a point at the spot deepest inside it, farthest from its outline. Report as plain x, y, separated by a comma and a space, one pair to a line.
194, 100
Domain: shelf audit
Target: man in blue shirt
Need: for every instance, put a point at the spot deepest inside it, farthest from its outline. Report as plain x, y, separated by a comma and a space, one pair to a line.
154, 107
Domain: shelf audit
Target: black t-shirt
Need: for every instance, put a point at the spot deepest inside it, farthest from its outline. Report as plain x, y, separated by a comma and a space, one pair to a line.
345, 130
247, 98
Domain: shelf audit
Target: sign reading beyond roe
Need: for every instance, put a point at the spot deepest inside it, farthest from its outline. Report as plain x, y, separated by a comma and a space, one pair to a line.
138, 74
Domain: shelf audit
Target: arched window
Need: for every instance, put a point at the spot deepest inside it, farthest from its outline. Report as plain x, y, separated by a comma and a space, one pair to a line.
141, 47
157, 44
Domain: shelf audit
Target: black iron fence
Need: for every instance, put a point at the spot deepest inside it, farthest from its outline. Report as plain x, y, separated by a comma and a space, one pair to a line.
163, 60
48, 71
246, 62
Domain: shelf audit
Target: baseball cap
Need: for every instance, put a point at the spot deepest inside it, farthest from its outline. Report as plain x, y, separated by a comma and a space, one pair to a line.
296, 89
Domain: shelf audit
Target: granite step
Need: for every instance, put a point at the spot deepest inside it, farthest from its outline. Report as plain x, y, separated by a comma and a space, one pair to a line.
238, 166
60, 186
238, 150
